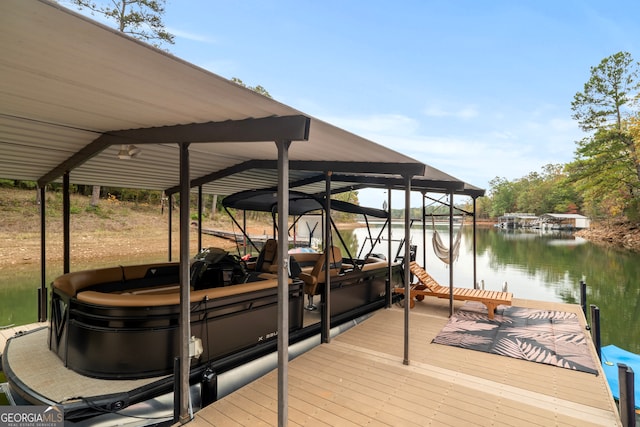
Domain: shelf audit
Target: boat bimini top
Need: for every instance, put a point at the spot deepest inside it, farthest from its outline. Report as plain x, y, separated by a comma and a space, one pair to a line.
299, 204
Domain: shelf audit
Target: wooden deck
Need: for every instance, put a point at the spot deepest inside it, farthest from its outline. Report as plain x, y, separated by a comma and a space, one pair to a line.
359, 379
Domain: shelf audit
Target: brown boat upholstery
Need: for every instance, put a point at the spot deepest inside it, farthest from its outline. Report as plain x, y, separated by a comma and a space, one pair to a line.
150, 299
317, 275
82, 284
373, 263
72, 283
267, 261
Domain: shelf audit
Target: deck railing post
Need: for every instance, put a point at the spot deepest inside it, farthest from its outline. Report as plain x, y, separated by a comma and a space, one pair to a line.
583, 297
595, 328
627, 395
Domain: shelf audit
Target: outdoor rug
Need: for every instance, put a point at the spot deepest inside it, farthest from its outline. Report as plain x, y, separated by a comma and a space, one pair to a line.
551, 337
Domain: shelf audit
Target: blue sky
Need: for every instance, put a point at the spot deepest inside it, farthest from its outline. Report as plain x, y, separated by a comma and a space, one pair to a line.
479, 89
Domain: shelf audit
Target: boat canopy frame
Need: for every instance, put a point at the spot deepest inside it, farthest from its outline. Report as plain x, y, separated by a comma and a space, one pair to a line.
300, 204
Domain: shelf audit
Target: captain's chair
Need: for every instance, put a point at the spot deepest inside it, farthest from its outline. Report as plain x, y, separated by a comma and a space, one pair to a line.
317, 276
267, 261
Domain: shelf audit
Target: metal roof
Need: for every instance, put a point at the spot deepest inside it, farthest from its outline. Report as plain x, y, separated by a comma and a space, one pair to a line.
73, 91
563, 216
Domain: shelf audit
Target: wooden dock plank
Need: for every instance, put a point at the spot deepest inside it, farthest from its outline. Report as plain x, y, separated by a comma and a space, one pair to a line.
359, 379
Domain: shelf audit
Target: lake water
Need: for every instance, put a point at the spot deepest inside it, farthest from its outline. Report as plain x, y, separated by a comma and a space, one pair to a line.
546, 267
537, 266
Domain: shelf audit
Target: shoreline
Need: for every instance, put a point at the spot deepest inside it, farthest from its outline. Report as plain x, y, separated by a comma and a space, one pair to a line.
24, 249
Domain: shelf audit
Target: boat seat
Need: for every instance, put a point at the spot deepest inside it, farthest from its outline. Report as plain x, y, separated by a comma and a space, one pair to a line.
173, 298
373, 263
317, 276
114, 279
268, 257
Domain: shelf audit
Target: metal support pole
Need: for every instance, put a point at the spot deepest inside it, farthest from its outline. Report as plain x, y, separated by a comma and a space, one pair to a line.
627, 402
199, 218
185, 286
389, 252
283, 282
42, 300
424, 231
451, 254
595, 328
170, 233
583, 297
66, 224
406, 260
475, 244
244, 227
326, 297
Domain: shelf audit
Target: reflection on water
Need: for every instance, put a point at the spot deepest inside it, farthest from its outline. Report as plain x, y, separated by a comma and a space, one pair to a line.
537, 266
545, 267
19, 285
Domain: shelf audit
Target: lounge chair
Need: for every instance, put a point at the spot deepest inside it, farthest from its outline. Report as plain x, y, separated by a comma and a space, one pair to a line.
427, 286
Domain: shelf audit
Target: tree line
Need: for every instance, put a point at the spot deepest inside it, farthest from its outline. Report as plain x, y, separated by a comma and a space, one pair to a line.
603, 180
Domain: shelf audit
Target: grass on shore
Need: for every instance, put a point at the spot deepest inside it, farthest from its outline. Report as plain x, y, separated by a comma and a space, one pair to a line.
113, 228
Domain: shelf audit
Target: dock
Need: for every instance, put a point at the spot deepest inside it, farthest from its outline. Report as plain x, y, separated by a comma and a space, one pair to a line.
359, 379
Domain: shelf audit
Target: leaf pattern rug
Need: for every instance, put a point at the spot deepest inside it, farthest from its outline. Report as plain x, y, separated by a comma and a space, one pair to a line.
551, 337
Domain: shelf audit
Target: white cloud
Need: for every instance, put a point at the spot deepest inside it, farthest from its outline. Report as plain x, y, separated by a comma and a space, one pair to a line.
520, 143
464, 112
192, 36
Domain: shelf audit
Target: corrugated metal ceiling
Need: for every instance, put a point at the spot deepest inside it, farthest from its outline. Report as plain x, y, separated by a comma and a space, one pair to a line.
67, 80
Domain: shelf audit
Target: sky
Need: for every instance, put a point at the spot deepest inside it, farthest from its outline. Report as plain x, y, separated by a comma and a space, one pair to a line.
477, 88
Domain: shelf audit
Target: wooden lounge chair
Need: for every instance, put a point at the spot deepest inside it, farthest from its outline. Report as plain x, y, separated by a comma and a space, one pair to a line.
427, 286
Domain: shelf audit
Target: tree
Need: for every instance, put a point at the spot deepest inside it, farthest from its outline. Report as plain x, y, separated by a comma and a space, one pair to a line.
261, 90
503, 195
141, 19
607, 161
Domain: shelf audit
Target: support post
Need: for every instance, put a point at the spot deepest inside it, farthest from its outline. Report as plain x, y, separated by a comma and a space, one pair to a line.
451, 254
66, 224
283, 282
627, 402
475, 244
199, 218
42, 300
389, 251
583, 297
328, 242
424, 230
185, 286
170, 233
244, 227
595, 328
407, 260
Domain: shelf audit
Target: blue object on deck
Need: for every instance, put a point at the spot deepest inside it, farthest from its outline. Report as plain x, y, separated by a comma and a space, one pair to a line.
611, 356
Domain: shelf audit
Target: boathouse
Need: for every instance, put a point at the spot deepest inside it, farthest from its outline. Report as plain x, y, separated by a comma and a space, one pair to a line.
554, 221
72, 113
516, 220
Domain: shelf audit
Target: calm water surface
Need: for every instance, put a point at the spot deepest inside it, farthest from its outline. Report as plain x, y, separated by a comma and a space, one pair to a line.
537, 266
546, 267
